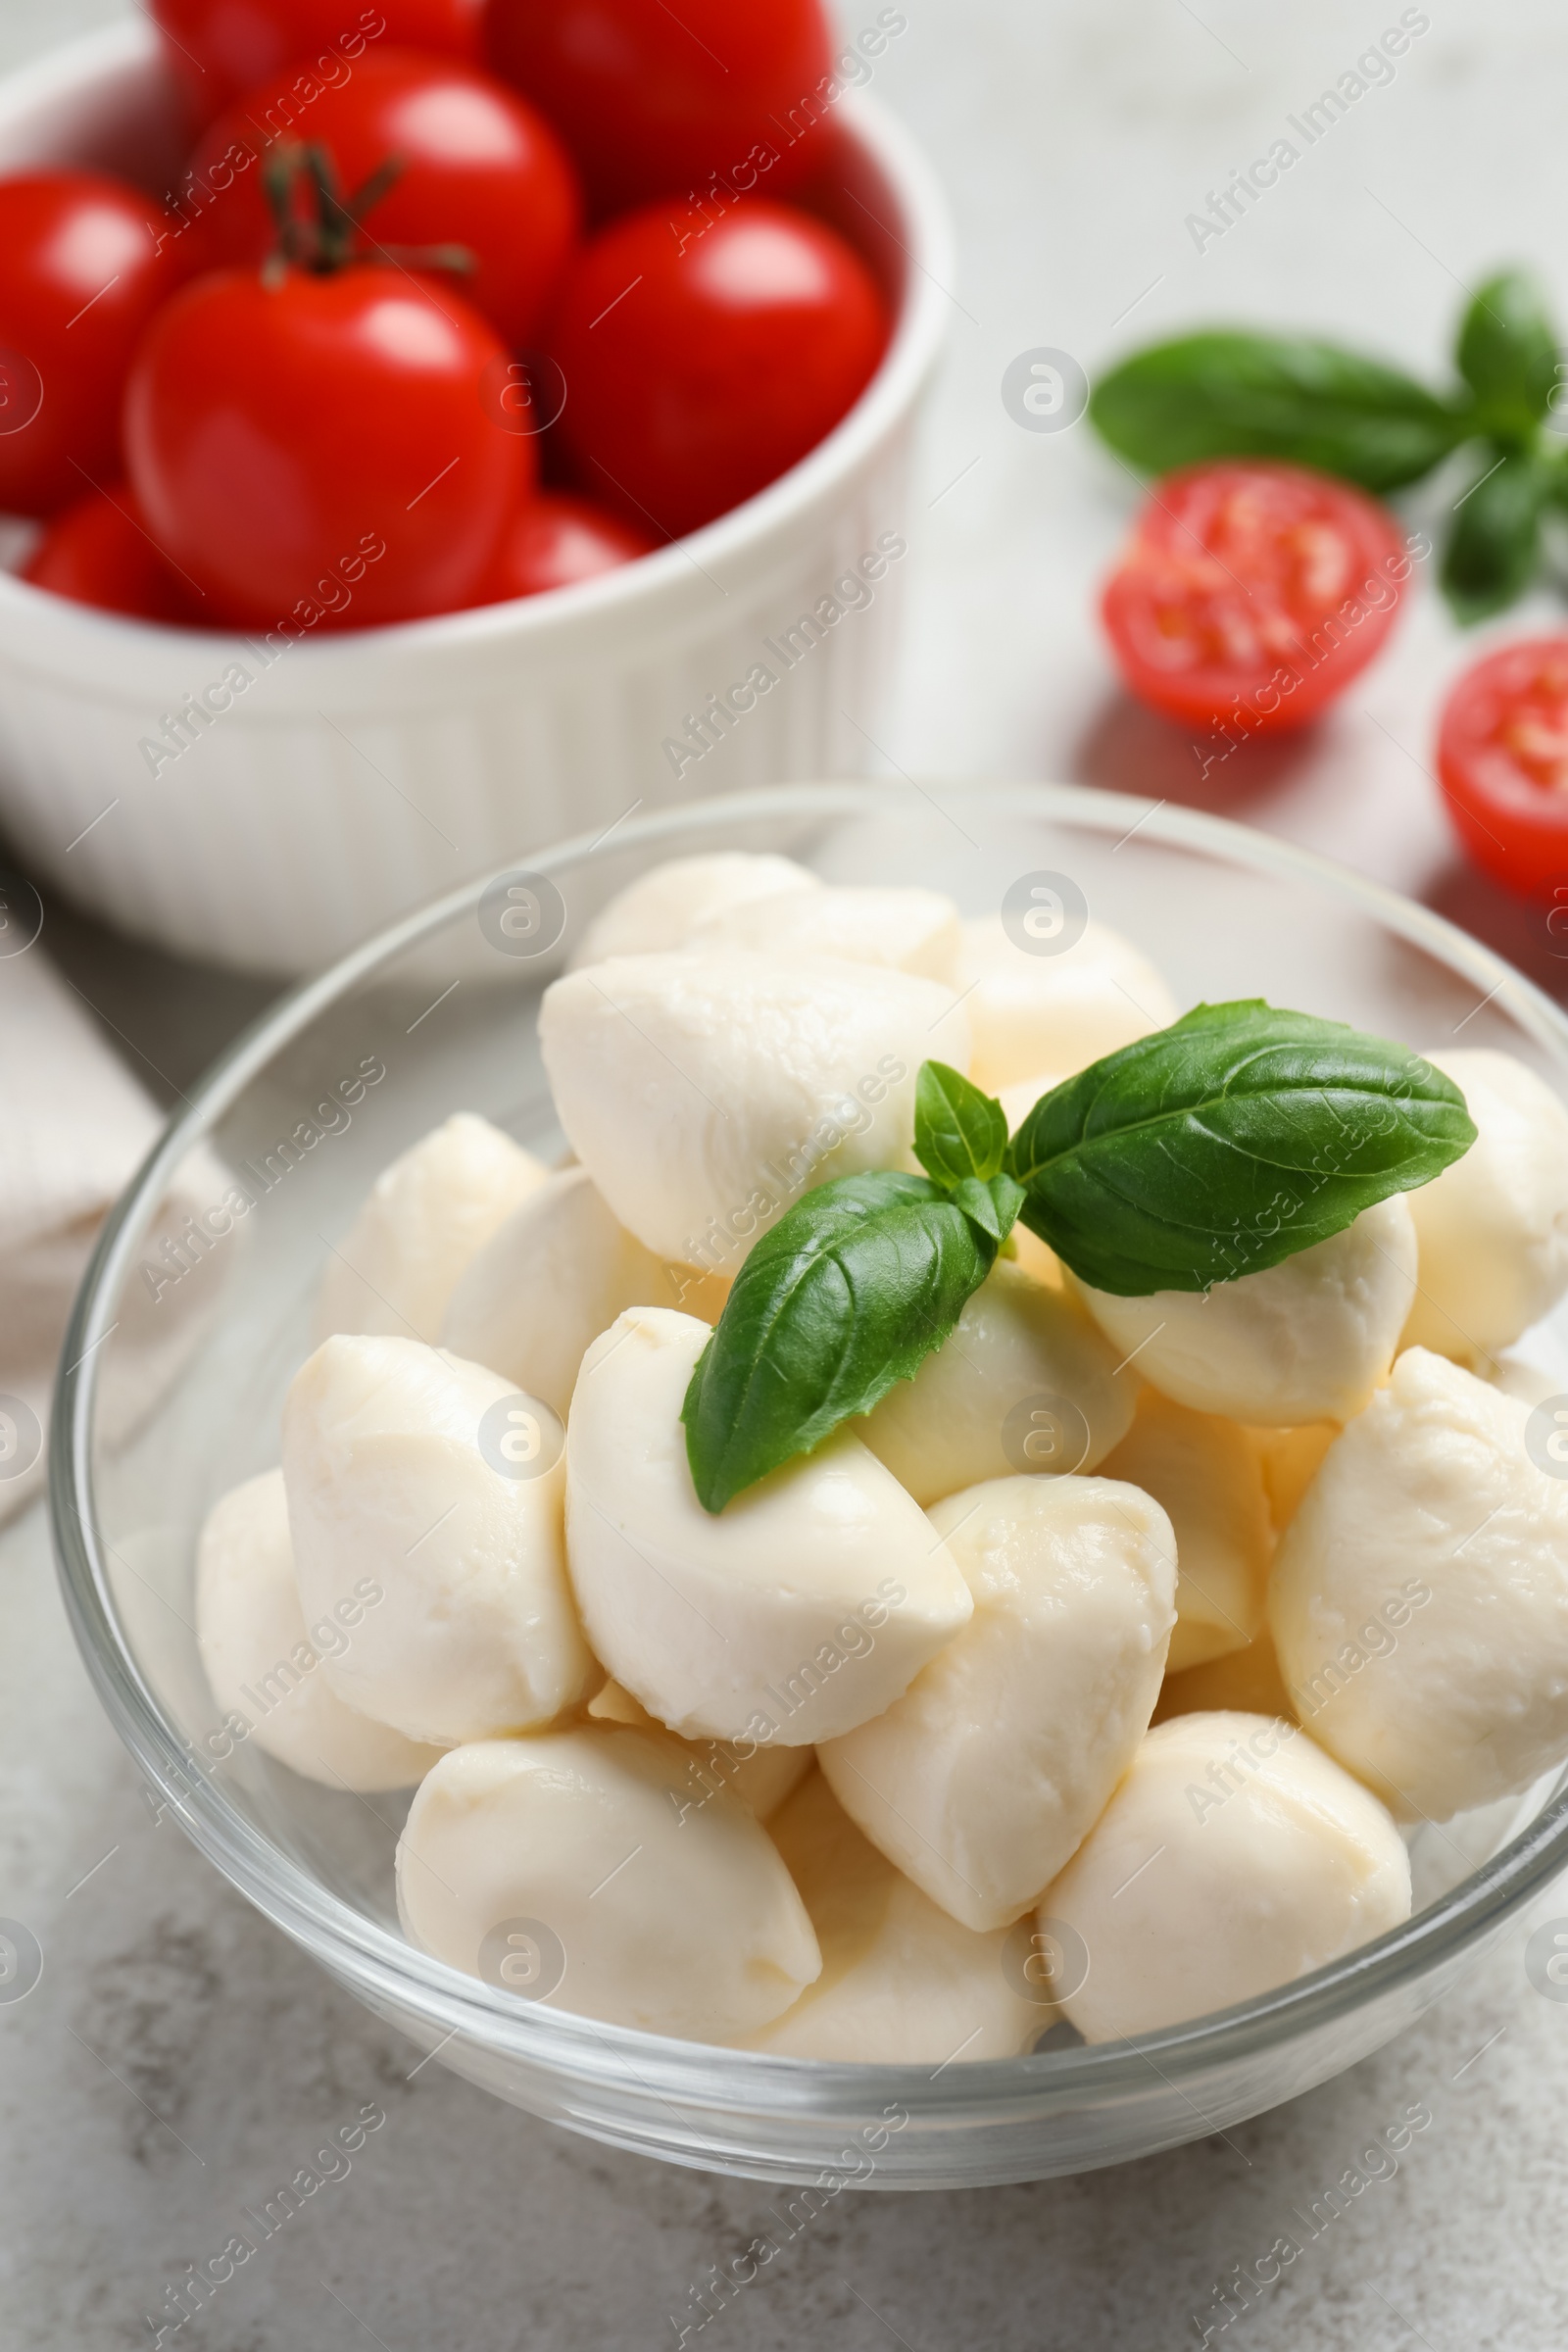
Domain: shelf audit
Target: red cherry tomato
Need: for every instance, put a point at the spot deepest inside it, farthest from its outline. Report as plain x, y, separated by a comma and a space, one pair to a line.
1502, 758
555, 540
480, 169
694, 378
80, 274
656, 100
1253, 593
99, 552
324, 449
218, 49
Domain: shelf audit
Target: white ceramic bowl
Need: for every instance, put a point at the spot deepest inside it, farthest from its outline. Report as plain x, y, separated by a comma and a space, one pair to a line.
359, 775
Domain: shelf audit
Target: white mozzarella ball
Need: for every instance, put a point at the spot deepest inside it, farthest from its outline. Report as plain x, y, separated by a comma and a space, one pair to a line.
704, 1093
1024, 1382
1204, 1472
557, 1274
1031, 1012
911, 929
561, 1865
1003, 1751
763, 1777
902, 1983
804, 1607
1018, 1099
1289, 1459
1494, 1227
1307, 1340
428, 1216
662, 909
391, 1476
1234, 1857
1245, 1681
1419, 1601
264, 1666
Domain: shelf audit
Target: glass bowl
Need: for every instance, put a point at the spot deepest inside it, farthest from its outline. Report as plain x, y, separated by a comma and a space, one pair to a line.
195, 1314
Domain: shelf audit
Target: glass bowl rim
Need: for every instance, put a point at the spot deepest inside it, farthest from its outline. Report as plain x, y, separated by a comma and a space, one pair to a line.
377, 1963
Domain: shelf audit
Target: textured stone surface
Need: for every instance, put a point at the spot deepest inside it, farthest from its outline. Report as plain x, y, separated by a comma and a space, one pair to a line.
179, 2059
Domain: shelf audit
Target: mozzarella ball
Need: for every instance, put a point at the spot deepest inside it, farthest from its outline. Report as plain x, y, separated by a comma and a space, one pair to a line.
1234, 1857
1003, 1751
661, 909
1018, 1099
572, 1844
912, 930
1032, 1012
1307, 1340
704, 1093
902, 1983
1023, 1382
264, 1667
1204, 1472
428, 1216
806, 1605
1289, 1460
541, 1291
1494, 1227
762, 1777
1246, 1681
1419, 1601
390, 1477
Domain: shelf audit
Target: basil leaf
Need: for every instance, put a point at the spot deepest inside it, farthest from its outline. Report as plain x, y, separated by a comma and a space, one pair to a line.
846, 1296
1227, 1142
959, 1132
1226, 394
993, 1203
1507, 354
1495, 547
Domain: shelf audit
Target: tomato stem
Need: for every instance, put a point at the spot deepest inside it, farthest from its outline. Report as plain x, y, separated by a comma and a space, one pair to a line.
326, 235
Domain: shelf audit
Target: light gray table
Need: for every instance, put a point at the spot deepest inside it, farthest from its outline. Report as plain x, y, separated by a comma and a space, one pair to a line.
178, 2059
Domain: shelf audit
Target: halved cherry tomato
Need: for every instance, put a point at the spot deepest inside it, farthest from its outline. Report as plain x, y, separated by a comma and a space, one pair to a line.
555, 540
1253, 593
80, 274
1502, 760
656, 100
694, 378
321, 451
99, 552
218, 49
479, 168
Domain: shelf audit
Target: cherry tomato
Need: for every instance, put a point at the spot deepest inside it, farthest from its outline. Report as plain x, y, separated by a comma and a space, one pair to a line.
1253, 593
99, 552
555, 540
480, 169
80, 274
322, 448
218, 49
656, 100
1503, 758
696, 376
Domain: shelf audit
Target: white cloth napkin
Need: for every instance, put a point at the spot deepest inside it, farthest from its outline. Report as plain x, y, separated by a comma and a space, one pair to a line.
73, 1126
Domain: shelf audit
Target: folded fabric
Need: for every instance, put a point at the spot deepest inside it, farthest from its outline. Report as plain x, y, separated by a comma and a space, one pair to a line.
73, 1126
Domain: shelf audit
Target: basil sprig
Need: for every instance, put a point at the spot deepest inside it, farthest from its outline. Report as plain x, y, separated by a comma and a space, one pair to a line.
1223, 1145
1228, 393
1217, 1148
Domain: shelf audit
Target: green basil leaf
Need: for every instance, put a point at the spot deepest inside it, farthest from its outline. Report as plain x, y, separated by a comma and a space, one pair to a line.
1227, 1142
1226, 394
1495, 547
847, 1295
959, 1132
993, 1201
1507, 354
